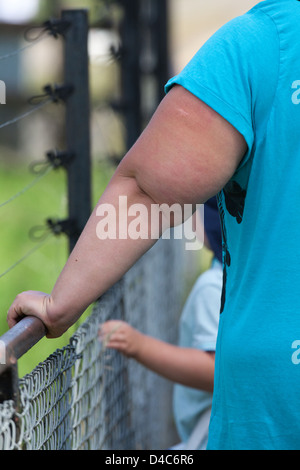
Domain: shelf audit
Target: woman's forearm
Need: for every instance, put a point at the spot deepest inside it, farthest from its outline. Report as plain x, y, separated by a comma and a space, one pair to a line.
96, 264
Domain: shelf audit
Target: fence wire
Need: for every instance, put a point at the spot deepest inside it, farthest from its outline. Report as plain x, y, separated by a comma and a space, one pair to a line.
86, 397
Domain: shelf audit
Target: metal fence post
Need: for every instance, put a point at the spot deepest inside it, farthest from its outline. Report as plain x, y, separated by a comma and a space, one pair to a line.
9, 384
161, 36
130, 70
144, 31
78, 120
14, 344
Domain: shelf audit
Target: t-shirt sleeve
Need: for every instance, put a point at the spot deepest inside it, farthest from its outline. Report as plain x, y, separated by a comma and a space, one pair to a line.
235, 73
201, 313
206, 320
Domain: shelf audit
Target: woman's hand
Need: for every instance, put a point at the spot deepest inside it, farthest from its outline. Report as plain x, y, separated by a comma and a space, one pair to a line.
36, 304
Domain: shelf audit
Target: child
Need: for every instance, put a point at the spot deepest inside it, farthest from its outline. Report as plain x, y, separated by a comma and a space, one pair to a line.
190, 364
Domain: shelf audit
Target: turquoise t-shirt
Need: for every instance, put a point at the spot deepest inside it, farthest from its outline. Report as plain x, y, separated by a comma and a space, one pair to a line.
249, 72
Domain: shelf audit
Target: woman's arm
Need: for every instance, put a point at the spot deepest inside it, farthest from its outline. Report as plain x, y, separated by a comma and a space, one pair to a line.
186, 154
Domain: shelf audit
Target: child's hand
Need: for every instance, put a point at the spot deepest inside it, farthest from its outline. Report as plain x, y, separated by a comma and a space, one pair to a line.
119, 335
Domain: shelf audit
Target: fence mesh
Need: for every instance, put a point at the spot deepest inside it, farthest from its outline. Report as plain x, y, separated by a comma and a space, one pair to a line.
86, 397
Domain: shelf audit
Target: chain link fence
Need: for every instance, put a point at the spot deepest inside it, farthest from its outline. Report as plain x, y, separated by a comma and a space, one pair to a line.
85, 396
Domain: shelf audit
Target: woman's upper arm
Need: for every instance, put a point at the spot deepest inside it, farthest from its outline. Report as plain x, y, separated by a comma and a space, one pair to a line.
187, 153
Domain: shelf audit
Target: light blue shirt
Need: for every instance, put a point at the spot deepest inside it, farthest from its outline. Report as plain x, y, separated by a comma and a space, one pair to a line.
198, 329
249, 72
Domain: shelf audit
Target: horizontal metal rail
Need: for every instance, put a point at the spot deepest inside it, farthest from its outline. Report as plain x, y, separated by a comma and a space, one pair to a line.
19, 339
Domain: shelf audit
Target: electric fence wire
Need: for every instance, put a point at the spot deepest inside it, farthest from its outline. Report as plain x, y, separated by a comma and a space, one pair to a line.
27, 187
26, 255
51, 28
22, 49
52, 31
24, 115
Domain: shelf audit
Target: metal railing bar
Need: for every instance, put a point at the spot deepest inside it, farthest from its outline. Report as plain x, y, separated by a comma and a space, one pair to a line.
18, 340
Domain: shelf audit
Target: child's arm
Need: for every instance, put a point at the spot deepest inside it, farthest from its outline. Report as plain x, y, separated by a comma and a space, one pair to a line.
187, 366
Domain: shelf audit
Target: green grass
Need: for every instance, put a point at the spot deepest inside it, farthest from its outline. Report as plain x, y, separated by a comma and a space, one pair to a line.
39, 271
